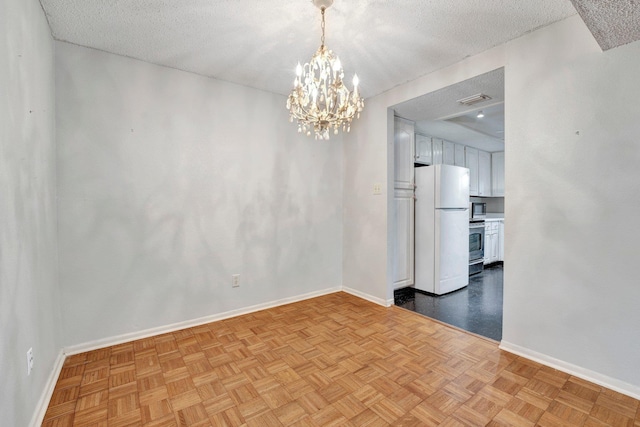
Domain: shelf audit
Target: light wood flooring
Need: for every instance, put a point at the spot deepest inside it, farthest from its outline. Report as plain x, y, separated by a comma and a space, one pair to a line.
333, 360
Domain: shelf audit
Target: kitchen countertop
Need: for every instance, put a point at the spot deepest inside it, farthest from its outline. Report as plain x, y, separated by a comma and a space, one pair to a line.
494, 217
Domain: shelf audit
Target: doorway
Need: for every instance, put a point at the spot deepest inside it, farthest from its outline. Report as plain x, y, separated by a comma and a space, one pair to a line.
462, 125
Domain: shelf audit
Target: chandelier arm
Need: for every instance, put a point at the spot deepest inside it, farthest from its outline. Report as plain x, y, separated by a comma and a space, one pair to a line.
303, 117
305, 112
331, 114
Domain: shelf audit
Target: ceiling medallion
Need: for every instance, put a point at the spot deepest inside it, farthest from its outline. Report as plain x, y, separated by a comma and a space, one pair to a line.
319, 99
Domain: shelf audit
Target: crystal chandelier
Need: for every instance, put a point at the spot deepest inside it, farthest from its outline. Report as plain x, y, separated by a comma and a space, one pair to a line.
319, 99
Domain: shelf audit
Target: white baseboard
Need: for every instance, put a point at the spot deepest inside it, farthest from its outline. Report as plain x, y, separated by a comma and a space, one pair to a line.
360, 294
132, 336
569, 368
47, 392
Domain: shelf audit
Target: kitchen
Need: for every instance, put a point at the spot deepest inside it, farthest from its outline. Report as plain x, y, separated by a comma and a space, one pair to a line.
456, 130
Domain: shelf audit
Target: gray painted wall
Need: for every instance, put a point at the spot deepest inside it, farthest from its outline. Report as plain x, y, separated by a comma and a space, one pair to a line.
365, 221
572, 183
571, 282
169, 183
29, 315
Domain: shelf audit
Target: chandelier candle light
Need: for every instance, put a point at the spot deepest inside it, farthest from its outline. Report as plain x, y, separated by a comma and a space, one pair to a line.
319, 99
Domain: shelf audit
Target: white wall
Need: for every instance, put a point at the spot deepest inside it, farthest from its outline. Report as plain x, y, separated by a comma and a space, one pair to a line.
571, 287
169, 183
29, 312
365, 214
571, 280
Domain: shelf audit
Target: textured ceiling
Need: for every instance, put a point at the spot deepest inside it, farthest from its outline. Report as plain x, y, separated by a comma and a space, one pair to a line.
612, 22
258, 42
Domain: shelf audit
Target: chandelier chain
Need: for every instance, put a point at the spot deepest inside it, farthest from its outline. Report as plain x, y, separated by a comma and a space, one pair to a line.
322, 26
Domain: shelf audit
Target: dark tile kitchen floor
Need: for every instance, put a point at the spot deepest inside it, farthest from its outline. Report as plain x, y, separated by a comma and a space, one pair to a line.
476, 308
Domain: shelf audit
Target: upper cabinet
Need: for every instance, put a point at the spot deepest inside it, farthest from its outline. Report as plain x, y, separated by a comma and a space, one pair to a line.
486, 170
423, 150
497, 173
484, 173
448, 153
459, 155
403, 153
471, 162
437, 150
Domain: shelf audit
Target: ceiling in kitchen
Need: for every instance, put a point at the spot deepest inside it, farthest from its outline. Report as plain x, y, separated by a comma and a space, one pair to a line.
257, 43
438, 114
442, 104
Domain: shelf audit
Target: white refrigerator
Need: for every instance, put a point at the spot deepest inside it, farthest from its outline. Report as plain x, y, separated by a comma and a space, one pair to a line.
441, 228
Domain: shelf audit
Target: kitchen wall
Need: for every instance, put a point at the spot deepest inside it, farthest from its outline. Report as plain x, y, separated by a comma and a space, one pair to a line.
29, 310
169, 183
571, 292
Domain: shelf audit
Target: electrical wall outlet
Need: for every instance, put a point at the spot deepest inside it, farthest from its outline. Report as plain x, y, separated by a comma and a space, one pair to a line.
29, 361
235, 280
377, 189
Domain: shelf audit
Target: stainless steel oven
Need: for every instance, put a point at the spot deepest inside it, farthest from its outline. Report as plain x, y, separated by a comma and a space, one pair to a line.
476, 246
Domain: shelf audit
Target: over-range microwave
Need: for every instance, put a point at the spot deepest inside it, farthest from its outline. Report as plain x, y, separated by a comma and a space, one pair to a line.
477, 210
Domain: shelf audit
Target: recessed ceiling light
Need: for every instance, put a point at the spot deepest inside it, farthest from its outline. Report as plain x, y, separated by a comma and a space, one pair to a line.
480, 114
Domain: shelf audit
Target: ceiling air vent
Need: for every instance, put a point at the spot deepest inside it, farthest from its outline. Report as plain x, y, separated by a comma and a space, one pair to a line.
473, 99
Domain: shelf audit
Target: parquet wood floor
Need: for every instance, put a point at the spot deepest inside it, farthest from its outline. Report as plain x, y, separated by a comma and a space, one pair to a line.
336, 360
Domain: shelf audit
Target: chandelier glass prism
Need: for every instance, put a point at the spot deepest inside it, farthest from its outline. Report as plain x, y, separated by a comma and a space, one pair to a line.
319, 100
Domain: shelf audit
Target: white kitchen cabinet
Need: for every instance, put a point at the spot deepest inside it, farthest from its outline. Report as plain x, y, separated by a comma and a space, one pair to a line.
403, 244
437, 145
495, 250
497, 174
423, 149
471, 162
403, 153
404, 156
459, 155
492, 241
484, 173
488, 243
448, 153
501, 241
